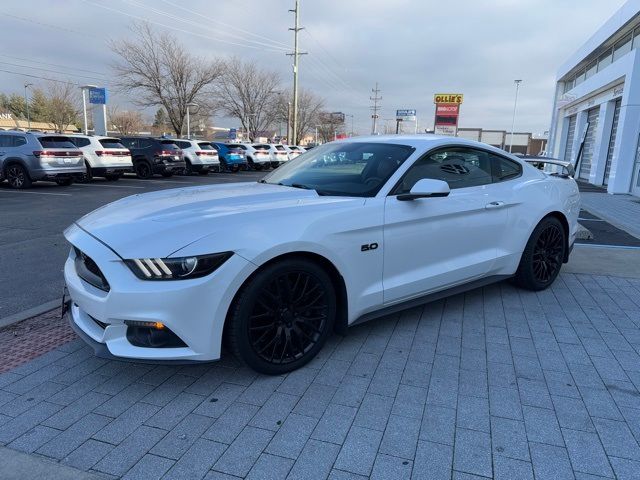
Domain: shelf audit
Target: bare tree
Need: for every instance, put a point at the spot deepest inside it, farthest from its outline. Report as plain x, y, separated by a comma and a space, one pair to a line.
249, 94
160, 72
309, 108
62, 105
329, 125
126, 122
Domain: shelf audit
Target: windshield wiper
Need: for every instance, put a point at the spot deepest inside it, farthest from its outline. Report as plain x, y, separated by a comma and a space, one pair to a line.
301, 185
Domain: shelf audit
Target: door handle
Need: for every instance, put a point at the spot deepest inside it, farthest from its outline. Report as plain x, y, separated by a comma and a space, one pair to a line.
496, 204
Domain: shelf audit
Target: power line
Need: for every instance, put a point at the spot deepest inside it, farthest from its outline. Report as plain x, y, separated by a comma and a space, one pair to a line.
375, 99
48, 25
171, 27
53, 64
47, 70
39, 77
199, 25
235, 27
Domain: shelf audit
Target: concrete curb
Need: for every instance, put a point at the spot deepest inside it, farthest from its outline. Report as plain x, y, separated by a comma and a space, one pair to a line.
31, 312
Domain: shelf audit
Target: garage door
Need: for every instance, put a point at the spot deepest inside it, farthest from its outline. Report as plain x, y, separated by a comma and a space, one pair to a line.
612, 141
570, 136
589, 140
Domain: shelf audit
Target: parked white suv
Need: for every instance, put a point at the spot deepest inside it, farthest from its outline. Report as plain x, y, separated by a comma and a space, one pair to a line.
258, 155
103, 156
294, 151
199, 155
279, 154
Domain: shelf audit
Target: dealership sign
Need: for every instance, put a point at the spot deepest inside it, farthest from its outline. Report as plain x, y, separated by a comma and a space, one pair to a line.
97, 96
406, 115
447, 112
448, 98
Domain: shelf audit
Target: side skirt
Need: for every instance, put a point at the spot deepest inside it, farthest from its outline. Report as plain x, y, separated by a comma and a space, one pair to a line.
430, 297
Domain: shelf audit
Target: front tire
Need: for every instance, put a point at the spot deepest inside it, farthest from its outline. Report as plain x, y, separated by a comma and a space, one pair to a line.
282, 317
543, 255
17, 176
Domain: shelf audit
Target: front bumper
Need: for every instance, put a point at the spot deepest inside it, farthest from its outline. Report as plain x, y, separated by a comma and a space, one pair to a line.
194, 310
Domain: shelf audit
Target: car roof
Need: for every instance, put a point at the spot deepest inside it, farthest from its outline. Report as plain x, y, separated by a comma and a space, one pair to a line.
428, 141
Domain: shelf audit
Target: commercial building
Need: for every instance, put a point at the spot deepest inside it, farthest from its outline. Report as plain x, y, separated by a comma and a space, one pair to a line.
596, 109
523, 142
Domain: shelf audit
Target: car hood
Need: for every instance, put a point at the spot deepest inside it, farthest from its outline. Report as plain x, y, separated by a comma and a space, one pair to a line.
157, 224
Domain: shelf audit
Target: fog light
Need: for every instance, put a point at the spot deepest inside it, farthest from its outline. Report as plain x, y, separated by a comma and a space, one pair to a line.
135, 323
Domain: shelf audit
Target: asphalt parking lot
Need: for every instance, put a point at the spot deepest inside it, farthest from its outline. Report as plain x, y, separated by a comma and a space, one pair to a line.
32, 222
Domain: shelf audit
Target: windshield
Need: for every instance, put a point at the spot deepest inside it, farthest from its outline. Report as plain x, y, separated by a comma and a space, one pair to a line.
111, 143
343, 169
56, 142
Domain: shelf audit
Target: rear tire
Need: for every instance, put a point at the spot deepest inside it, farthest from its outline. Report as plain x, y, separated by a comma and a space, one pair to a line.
282, 316
87, 176
543, 255
143, 170
17, 176
188, 169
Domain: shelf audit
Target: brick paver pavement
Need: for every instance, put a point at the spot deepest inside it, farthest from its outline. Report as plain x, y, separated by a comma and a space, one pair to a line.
498, 382
622, 211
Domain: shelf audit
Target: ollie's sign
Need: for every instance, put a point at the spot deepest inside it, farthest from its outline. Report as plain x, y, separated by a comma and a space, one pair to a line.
447, 111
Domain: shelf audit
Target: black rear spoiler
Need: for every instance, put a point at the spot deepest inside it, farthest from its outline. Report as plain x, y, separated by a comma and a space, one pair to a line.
552, 166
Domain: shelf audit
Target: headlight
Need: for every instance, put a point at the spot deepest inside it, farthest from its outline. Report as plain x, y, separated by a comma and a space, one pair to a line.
177, 268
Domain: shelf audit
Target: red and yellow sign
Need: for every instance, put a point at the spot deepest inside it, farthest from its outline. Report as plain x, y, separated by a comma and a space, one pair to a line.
448, 98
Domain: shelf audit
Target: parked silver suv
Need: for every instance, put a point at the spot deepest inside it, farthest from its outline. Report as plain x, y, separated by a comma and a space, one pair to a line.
27, 157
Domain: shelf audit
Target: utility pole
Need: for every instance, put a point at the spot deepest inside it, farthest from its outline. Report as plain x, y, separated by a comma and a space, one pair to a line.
513, 120
375, 99
26, 102
296, 53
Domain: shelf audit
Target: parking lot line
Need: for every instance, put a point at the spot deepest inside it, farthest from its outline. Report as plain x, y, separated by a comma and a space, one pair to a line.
35, 193
100, 185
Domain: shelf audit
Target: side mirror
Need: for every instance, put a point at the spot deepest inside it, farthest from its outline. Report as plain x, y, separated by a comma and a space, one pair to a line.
427, 187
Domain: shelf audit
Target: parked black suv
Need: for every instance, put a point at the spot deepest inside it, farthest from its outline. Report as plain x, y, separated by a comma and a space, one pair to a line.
154, 155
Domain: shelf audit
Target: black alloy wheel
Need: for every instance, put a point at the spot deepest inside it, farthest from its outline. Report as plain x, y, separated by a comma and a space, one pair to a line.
543, 256
283, 316
143, 170
17, 176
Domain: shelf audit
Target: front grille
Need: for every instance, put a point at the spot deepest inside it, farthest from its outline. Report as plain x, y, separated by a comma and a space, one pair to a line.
89, 271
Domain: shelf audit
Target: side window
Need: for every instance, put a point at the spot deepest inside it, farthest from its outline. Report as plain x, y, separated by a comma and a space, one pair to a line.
6, 141
459, 167
504, 169
129, 142
145, 143
18, 141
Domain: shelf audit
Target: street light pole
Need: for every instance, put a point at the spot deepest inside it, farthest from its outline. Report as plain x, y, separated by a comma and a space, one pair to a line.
513, 120
26, 102
189, 119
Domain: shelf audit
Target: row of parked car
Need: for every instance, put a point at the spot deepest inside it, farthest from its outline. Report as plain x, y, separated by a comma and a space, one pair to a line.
26, 157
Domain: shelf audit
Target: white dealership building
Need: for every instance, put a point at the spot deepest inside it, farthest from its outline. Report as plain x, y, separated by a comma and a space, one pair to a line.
596, 111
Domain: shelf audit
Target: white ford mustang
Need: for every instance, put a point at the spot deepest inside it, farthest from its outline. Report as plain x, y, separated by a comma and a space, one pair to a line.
346, 232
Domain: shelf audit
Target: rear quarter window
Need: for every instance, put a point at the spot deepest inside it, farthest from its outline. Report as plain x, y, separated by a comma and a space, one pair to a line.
56, 142
169, 145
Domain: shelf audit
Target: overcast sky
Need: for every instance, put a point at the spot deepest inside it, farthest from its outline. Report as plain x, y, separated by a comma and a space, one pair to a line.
412, 48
